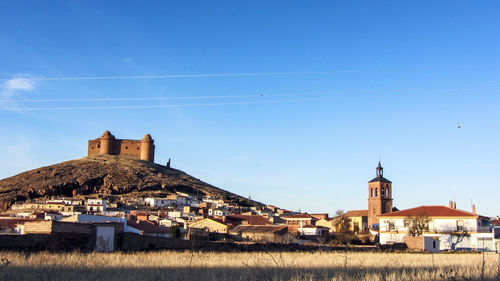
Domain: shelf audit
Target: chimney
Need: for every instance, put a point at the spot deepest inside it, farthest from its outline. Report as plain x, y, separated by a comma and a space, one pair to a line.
474, 209
451, 204
454, 205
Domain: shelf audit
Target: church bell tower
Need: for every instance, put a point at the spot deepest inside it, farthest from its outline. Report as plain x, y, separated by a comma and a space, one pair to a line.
379, 197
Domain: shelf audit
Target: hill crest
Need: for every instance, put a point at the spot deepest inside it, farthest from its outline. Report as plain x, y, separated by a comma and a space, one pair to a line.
105, 175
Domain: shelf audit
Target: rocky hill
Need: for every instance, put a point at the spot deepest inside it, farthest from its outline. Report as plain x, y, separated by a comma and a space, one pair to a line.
106, 175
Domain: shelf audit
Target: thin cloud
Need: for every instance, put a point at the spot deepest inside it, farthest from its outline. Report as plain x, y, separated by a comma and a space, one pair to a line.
13, 86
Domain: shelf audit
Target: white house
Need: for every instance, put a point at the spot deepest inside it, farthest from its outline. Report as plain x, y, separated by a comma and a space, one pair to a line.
158, 202
166, 222
218, 212
455, 229
174, 214
96, 205
53, 216
313, 230
495, 228
67, 201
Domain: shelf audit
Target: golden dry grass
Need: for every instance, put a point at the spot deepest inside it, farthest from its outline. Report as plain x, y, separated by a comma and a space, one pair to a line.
165, 265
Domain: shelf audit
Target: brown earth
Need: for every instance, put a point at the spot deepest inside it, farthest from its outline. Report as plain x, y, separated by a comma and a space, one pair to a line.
106, 175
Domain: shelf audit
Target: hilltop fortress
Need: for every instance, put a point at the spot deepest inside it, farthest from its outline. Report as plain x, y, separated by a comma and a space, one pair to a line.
107, 144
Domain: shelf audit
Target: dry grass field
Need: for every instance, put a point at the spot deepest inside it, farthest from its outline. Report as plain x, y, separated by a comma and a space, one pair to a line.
165, 265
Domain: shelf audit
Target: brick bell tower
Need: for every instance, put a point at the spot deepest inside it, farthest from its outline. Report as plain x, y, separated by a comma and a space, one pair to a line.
379, 196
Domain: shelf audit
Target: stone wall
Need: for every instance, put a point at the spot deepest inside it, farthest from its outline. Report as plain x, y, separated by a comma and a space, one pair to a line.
415, 242
108, 144
46, 242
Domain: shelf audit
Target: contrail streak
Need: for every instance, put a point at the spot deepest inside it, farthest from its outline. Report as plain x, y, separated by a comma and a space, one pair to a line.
146, 98
147, 106
478, 68
161, 76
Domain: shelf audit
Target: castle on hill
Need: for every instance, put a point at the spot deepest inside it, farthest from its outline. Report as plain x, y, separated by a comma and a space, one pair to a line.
107, 144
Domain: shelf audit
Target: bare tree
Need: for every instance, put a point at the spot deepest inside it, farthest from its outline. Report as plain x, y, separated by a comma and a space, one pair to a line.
342, 225
418, 224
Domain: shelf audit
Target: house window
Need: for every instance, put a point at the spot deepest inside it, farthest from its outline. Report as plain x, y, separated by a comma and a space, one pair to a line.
382, 192
392, 226
407, 223
371, 192
434, 244
376, 192
460, 225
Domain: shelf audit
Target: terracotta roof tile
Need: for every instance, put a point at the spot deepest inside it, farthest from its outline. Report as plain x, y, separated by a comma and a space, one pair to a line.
431, 211
357, 213
300, 216
251, 219
148, 227
257, 228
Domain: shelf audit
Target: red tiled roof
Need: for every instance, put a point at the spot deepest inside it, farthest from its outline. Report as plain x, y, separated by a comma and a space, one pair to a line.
313, 226
309, 226
496, 222
219, 220
251, 219
357, 213
257, 228
320, 216
147, 227
300, 216
431, 211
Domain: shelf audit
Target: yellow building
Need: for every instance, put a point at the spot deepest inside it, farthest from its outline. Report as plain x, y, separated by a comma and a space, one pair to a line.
328, 223
358, 220
54, 206
210, 225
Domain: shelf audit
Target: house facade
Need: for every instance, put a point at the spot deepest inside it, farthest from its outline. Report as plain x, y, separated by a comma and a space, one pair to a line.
358, 220
295, 222
260, 233
210, 225
455, 229
96, 205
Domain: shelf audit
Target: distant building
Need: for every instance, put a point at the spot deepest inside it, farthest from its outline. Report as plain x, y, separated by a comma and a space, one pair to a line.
261, 233
210, 225
331, 224
96, 205
147, 228
358, 220
107, 144
246, 220
298, 221
379, 197
320, 216
313, 230
158, 202
455, 229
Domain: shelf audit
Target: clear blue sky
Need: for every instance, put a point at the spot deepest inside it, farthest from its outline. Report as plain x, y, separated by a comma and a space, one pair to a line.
362, 80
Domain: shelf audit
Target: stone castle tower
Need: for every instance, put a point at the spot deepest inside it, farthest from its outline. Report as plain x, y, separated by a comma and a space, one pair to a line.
107, 144
379, 196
